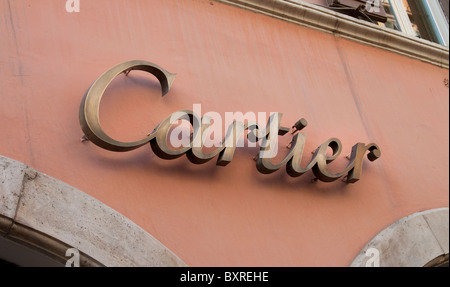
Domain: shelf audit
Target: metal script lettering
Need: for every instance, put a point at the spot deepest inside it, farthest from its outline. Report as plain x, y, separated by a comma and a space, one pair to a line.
158, 139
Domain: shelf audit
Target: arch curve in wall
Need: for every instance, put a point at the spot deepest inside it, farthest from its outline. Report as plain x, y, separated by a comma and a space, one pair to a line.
417, 240
49, 217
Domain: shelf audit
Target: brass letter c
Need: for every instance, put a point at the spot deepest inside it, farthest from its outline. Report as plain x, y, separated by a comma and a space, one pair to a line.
90, 105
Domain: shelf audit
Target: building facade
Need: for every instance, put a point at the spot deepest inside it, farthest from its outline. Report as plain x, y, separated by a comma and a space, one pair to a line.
373, 73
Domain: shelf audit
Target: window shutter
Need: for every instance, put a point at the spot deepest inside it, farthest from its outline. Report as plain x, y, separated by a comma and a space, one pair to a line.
357, 9
444, 5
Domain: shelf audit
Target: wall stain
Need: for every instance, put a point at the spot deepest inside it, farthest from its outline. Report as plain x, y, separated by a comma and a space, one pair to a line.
21, 76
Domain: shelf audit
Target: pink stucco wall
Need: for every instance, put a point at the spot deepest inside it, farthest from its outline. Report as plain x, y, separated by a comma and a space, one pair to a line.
226, 59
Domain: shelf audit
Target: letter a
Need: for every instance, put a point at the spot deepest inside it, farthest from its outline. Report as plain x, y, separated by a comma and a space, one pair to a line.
73, 6
183, 278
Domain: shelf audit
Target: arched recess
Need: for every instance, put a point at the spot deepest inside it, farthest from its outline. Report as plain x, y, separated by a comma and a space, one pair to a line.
418, 240
47, 217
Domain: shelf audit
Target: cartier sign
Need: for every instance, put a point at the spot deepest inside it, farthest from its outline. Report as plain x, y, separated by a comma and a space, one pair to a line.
194, 149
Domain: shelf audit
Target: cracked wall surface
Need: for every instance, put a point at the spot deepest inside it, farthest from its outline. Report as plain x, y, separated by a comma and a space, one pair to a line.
50, 216
413, 241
